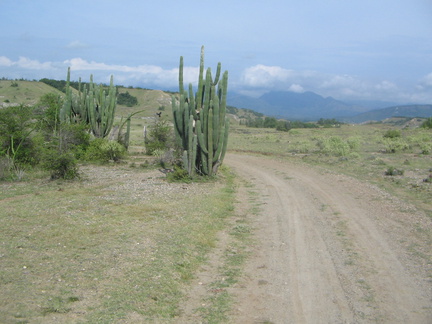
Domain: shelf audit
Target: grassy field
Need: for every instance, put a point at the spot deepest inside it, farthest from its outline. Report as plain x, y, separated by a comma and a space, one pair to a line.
121, 244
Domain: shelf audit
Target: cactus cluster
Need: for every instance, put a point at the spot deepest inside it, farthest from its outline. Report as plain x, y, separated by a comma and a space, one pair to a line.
200, 121
92, 106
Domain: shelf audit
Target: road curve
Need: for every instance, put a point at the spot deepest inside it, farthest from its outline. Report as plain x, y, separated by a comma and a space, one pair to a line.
325, 251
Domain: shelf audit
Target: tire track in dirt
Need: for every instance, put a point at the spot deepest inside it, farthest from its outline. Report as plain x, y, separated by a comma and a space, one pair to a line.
323, 254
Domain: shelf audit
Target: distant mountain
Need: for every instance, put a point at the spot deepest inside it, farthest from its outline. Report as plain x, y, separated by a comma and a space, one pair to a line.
395, 111
291, 105
311, 106
371, 104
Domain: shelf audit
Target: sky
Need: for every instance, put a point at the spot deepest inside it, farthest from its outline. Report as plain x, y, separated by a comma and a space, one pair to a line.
350, 50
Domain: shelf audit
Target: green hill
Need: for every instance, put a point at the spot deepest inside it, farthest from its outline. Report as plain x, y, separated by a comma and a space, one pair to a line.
23, 92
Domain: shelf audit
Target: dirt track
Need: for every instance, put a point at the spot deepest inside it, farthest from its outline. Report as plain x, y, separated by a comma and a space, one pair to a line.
330, 249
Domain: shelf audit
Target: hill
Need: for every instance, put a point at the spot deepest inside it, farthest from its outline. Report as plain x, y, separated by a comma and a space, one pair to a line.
395, 111
23, 92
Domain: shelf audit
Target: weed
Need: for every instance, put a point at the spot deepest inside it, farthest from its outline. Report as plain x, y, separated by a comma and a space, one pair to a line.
392, 171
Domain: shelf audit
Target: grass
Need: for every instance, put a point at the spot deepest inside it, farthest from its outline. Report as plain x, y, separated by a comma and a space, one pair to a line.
27, 92
82, 248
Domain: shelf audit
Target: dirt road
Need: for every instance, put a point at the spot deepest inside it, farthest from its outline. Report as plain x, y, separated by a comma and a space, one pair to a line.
331, 249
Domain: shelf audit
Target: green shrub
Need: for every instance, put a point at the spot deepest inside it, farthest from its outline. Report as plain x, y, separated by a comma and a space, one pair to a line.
62, 166
127, 99
334, 145
393, 145
160, 137
392, 133
427, 123
426, 148
103, 150
178, 175
392, 171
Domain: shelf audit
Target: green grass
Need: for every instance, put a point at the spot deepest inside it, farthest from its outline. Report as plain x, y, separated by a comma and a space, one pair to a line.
27, 92
82, 248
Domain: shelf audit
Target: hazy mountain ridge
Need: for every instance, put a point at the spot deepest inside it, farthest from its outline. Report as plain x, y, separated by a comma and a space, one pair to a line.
395, 111
311, 106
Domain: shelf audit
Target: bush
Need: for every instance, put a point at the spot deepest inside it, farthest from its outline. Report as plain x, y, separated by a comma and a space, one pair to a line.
392, 171
103, 150
127, 99
427, 123
179, 175
160, 137
16, 125
334, 145
393, 145
392, 133
62, 166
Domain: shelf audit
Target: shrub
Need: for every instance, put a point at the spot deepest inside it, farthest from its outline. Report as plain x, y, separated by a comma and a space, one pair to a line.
62, 166
427, 123
103, 150
334, 145
127, 99
160, 137
179, 175
392, 133
392, 171
393, 145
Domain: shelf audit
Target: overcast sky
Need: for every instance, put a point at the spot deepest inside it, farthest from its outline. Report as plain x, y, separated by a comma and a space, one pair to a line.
348, 49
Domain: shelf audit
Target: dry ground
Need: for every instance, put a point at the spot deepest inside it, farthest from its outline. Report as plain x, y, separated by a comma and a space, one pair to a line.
328, 249
331, 249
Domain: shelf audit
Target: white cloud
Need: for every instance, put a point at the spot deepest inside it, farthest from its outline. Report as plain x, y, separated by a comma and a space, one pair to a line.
426, 82
263, 76
386, 86
142, 74
4, 61
296, 88
25, 63
77, 45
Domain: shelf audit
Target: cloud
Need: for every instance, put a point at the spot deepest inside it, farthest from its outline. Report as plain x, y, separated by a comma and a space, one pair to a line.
296, 88
261, 78
4, 61
142, 74
25, 63
426, 82
77, 45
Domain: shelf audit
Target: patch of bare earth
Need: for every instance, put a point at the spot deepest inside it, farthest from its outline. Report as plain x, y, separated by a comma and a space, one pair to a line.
331, 249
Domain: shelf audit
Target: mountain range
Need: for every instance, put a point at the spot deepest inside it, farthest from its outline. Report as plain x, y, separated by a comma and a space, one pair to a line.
308, 106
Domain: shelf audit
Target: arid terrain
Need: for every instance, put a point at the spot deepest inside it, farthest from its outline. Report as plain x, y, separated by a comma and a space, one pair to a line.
328, 249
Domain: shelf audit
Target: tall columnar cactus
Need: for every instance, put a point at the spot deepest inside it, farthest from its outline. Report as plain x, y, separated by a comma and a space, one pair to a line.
74, 109
91, 106
101, 108
200, 121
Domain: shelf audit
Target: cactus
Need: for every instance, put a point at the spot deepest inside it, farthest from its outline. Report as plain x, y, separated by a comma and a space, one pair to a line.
200, 121
101, 108
91, 106
74, 107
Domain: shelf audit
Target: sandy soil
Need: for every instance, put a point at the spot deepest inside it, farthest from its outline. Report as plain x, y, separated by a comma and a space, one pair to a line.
331, 249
